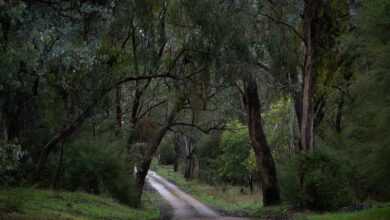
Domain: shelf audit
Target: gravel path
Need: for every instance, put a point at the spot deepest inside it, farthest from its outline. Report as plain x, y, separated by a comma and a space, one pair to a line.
184, 206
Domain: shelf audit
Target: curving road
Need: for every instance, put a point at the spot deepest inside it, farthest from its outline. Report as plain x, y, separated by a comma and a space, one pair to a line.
184, 206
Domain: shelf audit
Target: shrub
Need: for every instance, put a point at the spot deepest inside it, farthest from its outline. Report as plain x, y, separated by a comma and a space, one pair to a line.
235, 153
208, 151
316, 181
99, 165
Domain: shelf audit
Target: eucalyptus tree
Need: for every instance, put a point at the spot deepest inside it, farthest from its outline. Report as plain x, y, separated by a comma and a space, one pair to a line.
59, 64
227, 30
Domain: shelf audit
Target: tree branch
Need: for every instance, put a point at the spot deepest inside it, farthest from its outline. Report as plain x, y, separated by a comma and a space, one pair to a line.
292, 28
203, 130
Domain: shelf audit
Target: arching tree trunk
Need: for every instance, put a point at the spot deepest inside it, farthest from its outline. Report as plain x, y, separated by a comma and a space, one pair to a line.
144, 165
264, 160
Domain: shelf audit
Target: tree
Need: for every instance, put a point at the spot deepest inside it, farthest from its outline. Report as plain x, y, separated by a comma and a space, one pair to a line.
311, 35
264, 160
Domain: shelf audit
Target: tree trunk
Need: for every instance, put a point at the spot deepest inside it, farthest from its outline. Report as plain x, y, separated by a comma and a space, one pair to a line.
189, 158
143, 167
339, 114
250, 180
311, 36
59, 167
142, 172
298, 107
264, 160
190, 164
3, 129
177, 155
136, 105
118, 100
298, 113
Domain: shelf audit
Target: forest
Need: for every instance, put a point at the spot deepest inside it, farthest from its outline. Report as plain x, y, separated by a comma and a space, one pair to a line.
252, 109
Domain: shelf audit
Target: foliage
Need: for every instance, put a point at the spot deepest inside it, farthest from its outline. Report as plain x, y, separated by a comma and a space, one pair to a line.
279, 125
233, 165
74, 83
208, 151
96, 165
317, 181
365, 137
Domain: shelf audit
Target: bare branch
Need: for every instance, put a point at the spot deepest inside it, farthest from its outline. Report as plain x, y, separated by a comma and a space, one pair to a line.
217, 127
151, 108
289, 26
148, 77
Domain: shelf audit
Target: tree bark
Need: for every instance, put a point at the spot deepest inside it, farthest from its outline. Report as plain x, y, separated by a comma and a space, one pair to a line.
264, 160
311, 36
339, 114
118, 101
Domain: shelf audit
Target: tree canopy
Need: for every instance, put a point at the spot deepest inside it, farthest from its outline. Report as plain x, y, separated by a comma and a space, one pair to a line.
288, 94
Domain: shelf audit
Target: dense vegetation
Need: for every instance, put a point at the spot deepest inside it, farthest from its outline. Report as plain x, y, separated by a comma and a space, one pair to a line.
288, 100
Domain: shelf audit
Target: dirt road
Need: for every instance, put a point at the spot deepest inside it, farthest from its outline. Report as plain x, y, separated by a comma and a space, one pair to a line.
184, 206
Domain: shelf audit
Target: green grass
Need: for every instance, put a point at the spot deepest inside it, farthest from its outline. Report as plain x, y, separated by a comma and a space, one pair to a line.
370, 214
31, 204
228, 199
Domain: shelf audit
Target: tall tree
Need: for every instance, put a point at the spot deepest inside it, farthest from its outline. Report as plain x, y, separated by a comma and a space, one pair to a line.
264, 160
311, 34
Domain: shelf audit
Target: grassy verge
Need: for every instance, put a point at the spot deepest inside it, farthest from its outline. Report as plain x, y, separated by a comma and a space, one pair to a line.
228, 199
31, 204
369, 214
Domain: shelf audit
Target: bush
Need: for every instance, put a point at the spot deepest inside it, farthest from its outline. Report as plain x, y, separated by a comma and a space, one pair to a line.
208, 152
316, 181
233, 163
96, 166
